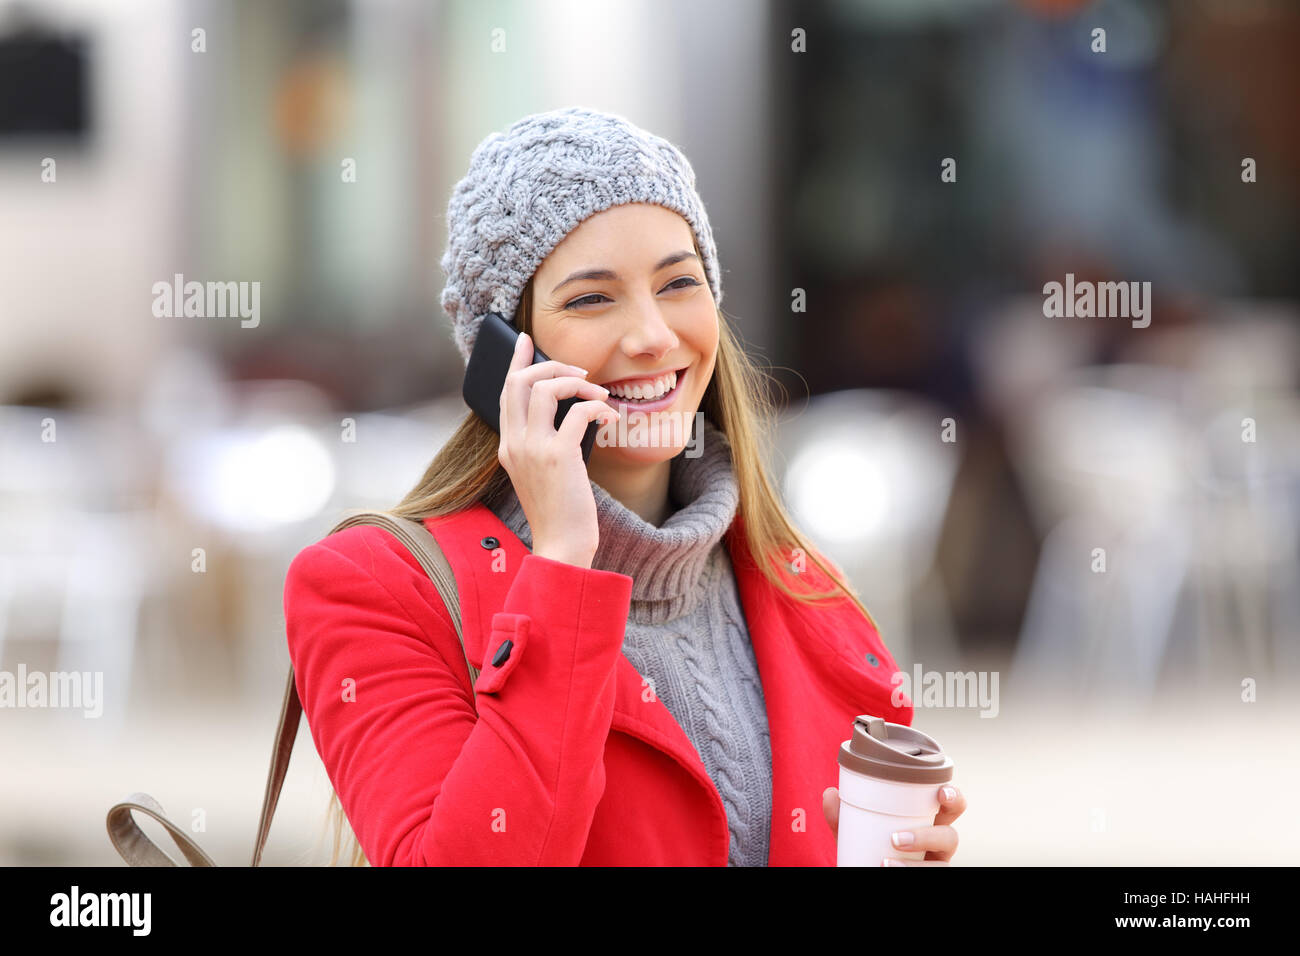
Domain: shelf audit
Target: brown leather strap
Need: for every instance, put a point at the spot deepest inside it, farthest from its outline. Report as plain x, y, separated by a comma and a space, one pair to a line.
135, 847
285, 734
424, 546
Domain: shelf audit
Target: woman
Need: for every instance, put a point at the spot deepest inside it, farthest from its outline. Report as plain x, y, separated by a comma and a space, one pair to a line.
667, 666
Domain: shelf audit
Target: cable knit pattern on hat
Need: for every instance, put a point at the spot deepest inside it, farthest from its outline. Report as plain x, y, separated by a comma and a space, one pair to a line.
529, 187
686, 629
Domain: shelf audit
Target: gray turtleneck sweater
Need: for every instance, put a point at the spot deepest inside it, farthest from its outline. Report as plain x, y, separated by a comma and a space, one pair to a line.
686, 629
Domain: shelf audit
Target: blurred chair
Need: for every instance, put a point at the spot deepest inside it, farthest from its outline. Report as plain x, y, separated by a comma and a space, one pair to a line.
69, 552
1246, 366
107, 586
867, 477
1106, 457
1247, 558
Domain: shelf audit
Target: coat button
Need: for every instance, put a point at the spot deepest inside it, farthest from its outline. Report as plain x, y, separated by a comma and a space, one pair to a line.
873, 660
489, 543
503, 653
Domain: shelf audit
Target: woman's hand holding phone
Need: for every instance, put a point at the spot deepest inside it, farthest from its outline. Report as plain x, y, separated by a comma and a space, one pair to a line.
545, 465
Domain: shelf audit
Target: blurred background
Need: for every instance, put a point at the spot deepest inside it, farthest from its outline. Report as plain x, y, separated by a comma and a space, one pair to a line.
1106, 517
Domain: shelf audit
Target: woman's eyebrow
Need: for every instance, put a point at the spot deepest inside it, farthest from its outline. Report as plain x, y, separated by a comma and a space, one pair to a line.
609, 274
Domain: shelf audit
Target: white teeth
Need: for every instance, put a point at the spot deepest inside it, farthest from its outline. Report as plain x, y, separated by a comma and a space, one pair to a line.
656, 389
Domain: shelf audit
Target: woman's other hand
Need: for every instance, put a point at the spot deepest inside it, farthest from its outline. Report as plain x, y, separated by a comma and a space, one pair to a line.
939, 841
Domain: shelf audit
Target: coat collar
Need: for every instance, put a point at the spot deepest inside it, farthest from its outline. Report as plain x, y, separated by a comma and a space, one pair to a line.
807, 692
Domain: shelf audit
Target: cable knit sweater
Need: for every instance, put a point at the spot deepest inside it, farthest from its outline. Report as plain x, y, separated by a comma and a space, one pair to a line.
686, 630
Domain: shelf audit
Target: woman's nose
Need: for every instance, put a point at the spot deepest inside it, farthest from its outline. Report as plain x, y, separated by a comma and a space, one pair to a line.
650, 334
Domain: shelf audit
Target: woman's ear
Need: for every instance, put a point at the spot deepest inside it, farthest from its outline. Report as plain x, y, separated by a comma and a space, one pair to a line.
524, 313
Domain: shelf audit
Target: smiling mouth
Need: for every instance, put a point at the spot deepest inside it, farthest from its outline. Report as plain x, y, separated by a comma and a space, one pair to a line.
658, 393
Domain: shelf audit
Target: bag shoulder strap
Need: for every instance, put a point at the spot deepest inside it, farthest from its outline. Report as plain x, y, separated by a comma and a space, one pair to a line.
417, 539
134, 845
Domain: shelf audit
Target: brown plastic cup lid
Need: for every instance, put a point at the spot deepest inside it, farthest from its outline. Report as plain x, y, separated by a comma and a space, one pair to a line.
894, 752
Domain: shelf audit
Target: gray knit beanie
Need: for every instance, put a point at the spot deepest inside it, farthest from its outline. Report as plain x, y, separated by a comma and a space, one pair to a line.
529, 187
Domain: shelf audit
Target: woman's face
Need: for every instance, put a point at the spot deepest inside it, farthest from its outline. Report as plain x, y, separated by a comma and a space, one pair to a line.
625, 297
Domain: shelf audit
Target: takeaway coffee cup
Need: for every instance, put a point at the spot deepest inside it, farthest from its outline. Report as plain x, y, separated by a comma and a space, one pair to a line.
890, 777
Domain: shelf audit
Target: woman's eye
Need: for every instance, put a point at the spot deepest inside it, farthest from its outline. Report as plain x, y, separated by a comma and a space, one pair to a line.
689, 280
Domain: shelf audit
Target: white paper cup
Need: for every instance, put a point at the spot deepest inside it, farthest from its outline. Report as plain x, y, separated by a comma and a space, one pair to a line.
890, 776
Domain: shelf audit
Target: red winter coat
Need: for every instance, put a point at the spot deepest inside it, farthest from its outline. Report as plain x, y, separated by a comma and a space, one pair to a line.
571, 759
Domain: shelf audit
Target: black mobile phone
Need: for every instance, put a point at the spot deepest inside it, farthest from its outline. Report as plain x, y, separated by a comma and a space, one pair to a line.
485, 376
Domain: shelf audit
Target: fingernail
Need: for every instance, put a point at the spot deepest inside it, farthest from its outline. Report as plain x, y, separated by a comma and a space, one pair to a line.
903, 839
890, 863
581, 369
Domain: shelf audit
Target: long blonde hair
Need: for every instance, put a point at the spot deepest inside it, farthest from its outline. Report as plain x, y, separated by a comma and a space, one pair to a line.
737, 401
